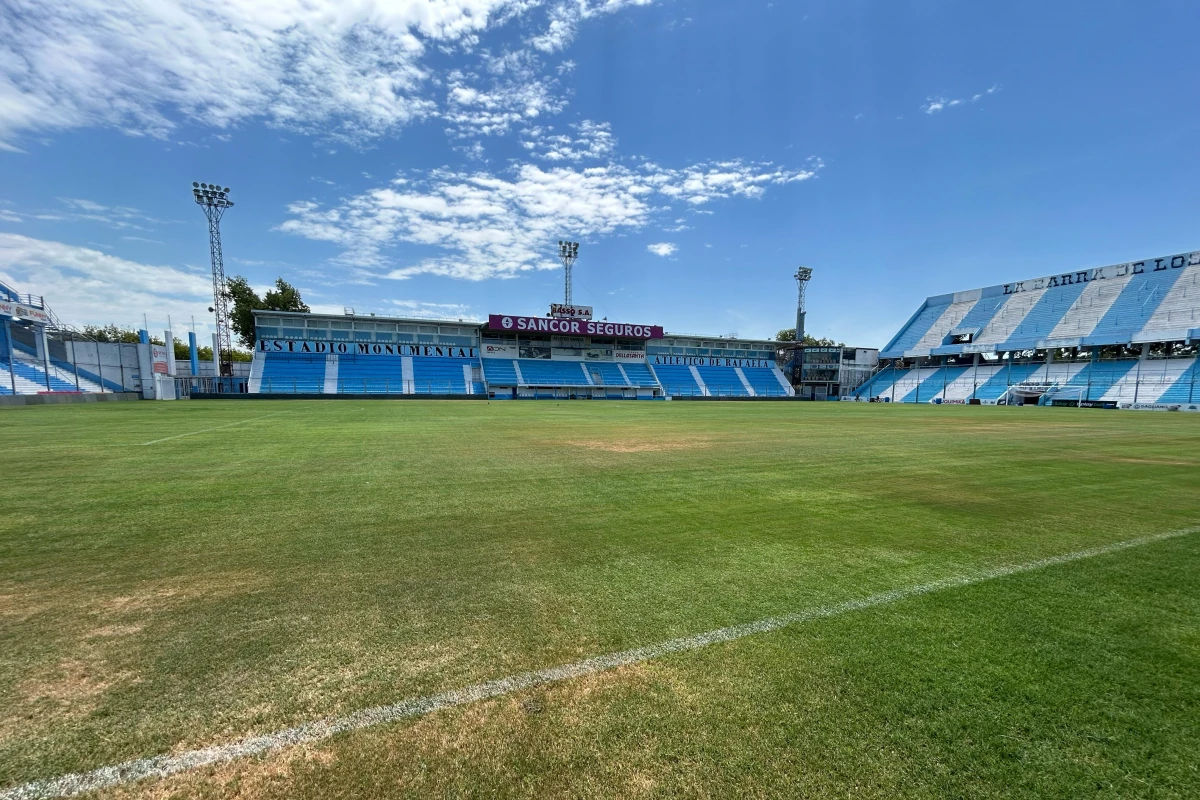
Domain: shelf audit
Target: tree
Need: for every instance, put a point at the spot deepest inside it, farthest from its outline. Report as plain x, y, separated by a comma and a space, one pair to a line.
789, 335
111, 333
284, 297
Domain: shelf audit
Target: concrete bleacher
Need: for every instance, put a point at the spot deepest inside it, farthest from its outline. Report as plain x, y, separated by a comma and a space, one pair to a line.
38, 380
639, 374
907, 339
1042, 318
765, 382
1186, 388
879, 384
1134, 307
1155, 300
88, 380
606, 373
1175, 380
1097, 379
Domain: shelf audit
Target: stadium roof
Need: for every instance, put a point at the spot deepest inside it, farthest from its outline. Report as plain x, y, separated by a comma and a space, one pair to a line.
1156, 300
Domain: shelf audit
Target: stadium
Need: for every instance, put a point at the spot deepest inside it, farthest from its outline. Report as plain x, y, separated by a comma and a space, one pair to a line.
1119, 336
857, 457
569, 594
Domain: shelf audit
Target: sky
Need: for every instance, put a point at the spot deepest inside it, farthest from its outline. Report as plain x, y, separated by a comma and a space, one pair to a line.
424, 157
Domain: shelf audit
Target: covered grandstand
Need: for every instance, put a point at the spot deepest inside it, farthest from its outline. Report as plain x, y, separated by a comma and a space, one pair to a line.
508, 357
1121, 335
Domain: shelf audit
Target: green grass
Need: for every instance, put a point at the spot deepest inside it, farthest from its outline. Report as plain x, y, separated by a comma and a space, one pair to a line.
342, 555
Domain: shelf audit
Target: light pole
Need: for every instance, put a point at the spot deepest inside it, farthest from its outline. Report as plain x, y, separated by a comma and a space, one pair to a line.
215, 200
803, 276
567, 253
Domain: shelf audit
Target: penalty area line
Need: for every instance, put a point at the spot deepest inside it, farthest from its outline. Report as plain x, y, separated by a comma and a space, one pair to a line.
309, 732
217, 428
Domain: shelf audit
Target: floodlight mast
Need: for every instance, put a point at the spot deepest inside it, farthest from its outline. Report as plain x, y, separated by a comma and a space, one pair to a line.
803, 276
215, 200
567, 253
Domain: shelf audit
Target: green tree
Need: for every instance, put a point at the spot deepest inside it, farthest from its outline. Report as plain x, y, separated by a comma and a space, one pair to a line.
789, 335
284, 297
111, 333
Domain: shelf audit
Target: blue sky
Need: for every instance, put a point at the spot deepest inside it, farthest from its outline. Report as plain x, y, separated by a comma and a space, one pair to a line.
423, 157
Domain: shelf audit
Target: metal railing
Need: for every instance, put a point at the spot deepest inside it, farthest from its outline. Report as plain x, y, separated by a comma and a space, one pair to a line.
187, 386
709, 390
362, 386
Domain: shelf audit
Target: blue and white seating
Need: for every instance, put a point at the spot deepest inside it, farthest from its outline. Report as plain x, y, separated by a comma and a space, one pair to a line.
290, 373
766, 382
544, 372
369, 375
639, 374
678, 381
442, 375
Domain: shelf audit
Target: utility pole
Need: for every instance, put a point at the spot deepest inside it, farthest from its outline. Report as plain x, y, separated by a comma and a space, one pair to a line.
215, 200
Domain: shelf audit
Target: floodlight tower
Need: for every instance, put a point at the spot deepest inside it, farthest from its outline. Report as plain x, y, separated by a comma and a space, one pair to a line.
567, 253
803, 276
215, 200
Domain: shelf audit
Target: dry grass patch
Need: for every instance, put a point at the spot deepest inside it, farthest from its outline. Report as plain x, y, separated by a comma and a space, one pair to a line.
480, 733
156, 595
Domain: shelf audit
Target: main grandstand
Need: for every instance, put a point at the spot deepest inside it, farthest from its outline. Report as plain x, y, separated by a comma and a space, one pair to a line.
1122, 335
508, 357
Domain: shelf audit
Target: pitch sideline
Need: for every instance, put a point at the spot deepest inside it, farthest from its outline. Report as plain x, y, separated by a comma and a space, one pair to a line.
217, 428
166, 765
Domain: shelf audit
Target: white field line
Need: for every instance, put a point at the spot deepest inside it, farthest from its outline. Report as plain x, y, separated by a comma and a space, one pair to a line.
164, 765
217, 428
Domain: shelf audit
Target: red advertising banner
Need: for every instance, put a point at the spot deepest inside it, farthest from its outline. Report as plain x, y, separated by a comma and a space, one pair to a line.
575, 327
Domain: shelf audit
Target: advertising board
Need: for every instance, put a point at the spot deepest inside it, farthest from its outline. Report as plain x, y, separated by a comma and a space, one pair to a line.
365, 348
570, 312
572, 327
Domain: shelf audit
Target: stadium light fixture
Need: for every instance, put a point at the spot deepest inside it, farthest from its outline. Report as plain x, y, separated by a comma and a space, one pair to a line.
567, 253
215, 201
803, 276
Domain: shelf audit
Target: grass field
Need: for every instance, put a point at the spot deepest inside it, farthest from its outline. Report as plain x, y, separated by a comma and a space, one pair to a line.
293, 561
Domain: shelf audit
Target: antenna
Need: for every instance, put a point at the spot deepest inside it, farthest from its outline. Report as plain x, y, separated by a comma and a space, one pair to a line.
803, 276
215, 200
567, 253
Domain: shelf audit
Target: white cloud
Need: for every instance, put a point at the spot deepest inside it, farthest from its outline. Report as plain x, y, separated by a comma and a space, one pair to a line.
565, 18
509, 90
85, 286
120, 217
663, 249
591, 140
485, 225
420, 308
935, 104
342, 68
